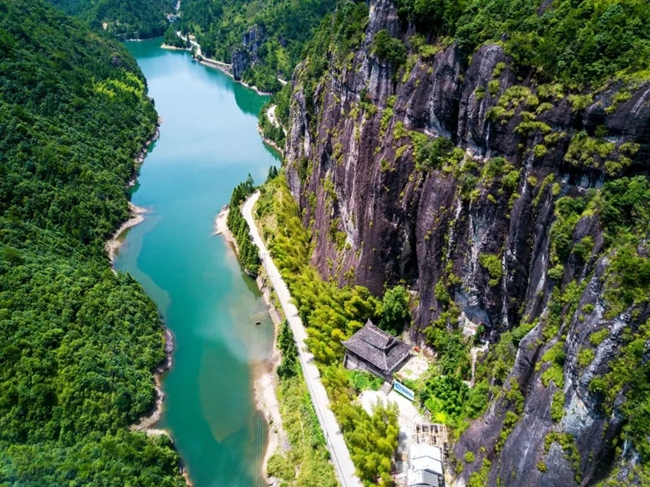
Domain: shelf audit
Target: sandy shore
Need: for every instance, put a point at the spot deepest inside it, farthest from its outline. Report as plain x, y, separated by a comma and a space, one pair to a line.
137, 216
265, 388
174, 48
265, 383
266, 401
221, 227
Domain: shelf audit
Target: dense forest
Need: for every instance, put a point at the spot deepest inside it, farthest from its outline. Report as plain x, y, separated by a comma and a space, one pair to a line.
78, 343
283, 27
577, 43
125, 19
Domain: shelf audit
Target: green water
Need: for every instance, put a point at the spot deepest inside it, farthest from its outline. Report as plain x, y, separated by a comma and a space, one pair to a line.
208, 143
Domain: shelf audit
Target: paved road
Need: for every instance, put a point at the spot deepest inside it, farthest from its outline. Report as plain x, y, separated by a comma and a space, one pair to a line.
335, 443
270, 114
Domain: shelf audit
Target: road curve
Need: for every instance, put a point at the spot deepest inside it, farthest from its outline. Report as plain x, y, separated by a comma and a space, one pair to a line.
333, 436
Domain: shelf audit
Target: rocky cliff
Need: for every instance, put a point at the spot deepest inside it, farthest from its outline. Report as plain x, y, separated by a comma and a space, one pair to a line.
246, 55
445, 171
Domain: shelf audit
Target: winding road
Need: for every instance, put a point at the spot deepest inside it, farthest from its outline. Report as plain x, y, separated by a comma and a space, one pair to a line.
333, 436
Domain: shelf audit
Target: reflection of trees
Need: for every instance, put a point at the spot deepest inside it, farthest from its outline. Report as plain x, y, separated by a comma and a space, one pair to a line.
247, 100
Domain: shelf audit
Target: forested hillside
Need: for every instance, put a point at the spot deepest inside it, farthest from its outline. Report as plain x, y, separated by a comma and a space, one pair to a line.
78, 344
264, 40
125, 19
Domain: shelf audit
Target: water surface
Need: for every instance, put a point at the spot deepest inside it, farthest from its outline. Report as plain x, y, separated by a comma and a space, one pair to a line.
208, 144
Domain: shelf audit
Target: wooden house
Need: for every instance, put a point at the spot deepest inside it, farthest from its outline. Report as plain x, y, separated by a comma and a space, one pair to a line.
375, 351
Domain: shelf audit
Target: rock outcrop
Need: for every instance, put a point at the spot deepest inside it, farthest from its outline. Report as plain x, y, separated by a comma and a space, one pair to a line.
246, 56
380, 216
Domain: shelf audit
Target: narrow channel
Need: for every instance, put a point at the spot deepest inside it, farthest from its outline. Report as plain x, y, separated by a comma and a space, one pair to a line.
208, 143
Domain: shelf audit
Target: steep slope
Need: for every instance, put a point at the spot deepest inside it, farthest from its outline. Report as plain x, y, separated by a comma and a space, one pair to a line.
126, 19
511, 196
78, 344
263, 40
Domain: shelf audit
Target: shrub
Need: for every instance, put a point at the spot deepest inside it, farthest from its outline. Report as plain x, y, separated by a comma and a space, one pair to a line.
364, 381
539, 151
387, 48
557, 406
585, 357
395, 311
598, 337
492, 263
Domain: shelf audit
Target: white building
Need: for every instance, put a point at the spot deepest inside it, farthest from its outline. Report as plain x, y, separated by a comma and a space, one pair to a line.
425, 466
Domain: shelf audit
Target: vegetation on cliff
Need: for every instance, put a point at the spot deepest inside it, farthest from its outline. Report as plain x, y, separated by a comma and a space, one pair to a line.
578, 43
126, 19
284, 27
78, 344
496, 159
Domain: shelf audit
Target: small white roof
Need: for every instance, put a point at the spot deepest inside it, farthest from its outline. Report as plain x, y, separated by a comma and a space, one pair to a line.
425, 465
423, 450
421, 478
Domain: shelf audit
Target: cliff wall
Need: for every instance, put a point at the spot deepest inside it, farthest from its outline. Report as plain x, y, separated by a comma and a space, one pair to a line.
470, 231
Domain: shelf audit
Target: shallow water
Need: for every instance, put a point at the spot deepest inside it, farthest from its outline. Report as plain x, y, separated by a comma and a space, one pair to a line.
208, 143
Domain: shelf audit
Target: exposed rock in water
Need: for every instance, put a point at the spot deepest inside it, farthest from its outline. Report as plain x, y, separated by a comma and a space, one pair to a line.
380, 217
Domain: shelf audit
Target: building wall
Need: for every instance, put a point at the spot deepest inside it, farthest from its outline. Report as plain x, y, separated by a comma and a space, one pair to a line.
354, 362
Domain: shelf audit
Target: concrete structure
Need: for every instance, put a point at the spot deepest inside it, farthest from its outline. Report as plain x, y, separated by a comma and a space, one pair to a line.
376, 351
425, 466
433, 434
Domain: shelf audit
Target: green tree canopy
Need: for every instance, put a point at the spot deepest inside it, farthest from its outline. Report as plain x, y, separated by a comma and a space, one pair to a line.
395, 312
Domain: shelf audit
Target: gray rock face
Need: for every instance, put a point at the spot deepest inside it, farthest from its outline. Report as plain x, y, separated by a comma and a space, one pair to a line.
356, 174
246, 56
240, 62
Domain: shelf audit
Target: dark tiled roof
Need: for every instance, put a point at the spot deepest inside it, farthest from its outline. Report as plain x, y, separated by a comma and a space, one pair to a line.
378, 347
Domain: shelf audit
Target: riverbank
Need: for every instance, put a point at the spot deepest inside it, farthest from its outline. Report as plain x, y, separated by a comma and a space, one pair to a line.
265, 383
221, 227
270, 116
340, 454
112, 245
227, 69
174, 48
213, 63
269, 142
139, 159
136, 212
147, 422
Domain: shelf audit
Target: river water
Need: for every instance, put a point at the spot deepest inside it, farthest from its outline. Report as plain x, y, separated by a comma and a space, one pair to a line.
208, 143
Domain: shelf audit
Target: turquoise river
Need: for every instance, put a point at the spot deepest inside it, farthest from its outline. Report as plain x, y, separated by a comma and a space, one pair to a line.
208, 143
